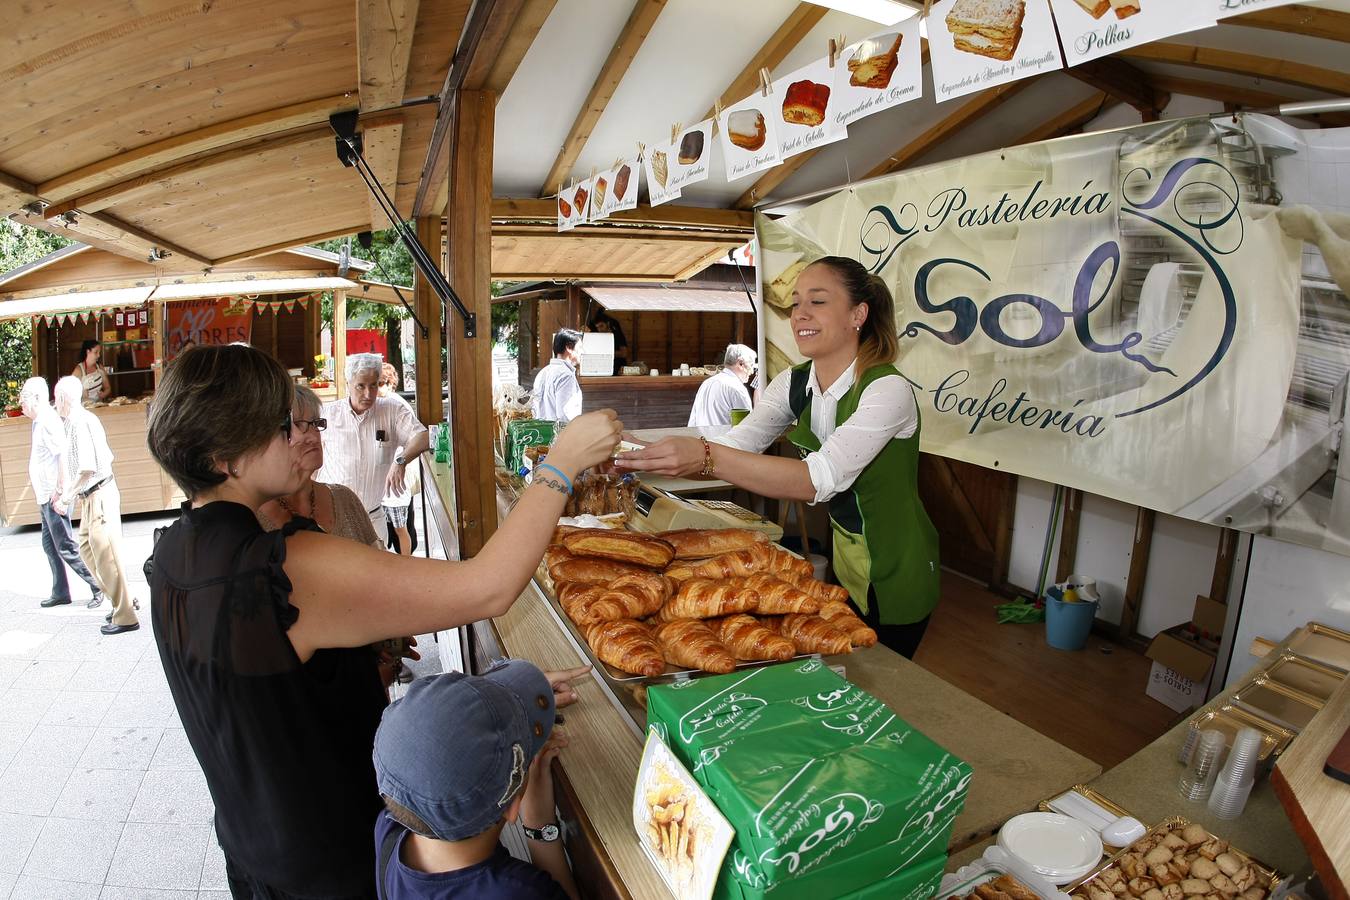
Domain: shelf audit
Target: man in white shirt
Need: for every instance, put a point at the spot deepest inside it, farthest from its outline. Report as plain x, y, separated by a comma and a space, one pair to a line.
365, 432
44, 471
725, 391
557, 393
89, 479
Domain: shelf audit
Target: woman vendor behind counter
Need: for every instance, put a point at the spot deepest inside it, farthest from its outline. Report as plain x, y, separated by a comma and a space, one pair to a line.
95, 384
858, 436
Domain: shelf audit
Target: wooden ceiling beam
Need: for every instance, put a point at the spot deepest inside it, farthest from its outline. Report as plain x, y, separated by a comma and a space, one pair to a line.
651, 235
524, 30
951, 125
179, 147
783, 41
380, 146
15, 193
505, 208
1237, 96
621, 56
384, 40
298, 242
771, 179
1312, 21
1069, 121
1126, 82
481, 42
1237, 63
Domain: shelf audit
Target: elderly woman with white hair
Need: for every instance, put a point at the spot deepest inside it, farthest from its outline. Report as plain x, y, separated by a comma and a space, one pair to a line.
364, 433
89, 481
725, 391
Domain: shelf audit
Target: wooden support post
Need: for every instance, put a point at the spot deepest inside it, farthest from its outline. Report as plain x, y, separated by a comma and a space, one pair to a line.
427, 350
1223, 565
739, 325
469, 233
340, 342
1134, 586
670, 343
1068, 535
1003, 535
313, 315
575, 312
159, 336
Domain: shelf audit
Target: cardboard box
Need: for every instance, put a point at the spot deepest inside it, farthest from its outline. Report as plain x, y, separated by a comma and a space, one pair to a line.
830, 792
1183, 656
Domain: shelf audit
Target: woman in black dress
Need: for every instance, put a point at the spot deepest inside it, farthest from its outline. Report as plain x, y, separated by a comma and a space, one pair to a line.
264, 637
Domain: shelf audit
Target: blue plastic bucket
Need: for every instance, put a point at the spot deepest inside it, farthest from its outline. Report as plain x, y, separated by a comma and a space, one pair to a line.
1067, 625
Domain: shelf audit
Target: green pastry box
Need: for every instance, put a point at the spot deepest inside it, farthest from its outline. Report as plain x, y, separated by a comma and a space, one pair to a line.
830, 792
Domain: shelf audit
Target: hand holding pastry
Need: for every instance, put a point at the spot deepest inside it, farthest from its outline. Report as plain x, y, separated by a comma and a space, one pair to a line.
588, 440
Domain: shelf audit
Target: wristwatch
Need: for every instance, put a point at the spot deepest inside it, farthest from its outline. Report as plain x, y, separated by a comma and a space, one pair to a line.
547, 833
401, 460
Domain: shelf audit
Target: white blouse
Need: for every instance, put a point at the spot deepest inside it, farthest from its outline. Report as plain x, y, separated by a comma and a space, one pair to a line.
886, 411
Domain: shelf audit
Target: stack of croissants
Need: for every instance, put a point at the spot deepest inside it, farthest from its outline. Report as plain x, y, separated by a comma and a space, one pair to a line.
697, 599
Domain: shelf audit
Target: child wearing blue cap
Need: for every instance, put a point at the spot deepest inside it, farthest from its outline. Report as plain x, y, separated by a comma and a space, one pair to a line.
455, 760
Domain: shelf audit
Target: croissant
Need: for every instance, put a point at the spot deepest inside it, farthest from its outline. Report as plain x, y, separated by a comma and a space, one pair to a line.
700, 543
656, 588
746, 638
585, 570
812, 634
822, 591
842, 616
729, 565
556, 553
691, 643
622, 546
702, 598
577, 601
784, 562
589, 604
777, 596
626, 645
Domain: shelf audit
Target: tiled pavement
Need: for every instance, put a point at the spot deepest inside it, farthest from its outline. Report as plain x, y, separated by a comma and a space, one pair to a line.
101, 797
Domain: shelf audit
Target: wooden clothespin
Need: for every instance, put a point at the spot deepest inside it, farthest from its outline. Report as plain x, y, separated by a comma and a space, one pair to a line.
765, 81
837, 45
675, 131
618, 163
927, 8
642, 151
717, 115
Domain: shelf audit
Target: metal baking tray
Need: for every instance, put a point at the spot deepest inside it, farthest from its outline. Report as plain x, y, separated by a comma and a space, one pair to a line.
1282, 705
1230, 719
1268, 874
1305, 675
1324, 644
1100, 799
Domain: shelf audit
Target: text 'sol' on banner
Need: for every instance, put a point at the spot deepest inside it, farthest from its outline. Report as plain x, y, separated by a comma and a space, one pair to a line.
1122, 312
215, 320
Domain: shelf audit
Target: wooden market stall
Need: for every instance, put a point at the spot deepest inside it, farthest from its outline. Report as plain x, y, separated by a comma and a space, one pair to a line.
201, 132
141, 313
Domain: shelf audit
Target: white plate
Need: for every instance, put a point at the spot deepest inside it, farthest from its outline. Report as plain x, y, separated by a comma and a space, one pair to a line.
1058, 847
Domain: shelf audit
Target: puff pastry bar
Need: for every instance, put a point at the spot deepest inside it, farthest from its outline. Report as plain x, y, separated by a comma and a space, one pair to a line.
1094, 8
621, 546
991, 28
701, 543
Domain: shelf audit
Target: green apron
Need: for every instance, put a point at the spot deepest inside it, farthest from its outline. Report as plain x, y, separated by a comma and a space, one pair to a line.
882, 536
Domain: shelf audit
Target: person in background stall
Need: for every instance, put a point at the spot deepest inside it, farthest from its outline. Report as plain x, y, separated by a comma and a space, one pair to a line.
264, 637
604, 323
95, 384
365, 432
45, 460
557, 392
446, 802
332, 507
857, 433
719, 395
89, 479
398, 506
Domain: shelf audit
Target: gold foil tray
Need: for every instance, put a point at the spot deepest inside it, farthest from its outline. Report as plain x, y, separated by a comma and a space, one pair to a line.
1230, 719
1324, 644
1274, 701
1305, 675
1269, 876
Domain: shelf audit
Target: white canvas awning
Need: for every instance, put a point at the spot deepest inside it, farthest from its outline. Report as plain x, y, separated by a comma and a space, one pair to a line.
661, 299
53, 304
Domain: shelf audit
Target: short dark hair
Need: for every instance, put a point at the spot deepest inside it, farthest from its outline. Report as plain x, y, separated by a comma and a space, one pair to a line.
216, 404
565, 340
86, 346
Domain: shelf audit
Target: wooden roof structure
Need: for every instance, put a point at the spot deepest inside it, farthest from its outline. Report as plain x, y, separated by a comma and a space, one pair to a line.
199, 129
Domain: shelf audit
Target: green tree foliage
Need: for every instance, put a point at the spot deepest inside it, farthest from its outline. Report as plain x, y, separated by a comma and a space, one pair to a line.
20, 244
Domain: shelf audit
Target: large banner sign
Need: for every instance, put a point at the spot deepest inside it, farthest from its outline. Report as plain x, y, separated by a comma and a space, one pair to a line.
1132, 313
217, 320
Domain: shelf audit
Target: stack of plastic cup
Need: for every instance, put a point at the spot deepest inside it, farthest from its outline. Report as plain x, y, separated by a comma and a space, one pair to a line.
1198, 781
1234, 783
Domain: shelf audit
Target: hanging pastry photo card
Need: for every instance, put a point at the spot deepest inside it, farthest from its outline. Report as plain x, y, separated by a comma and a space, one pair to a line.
750, 134
882, 71
572, 205
657, 160
614, 190
1223, 9
806, 110
977, 44
691, 155
1092, 28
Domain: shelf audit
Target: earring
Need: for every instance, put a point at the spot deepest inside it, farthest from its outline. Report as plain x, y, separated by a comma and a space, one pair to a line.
857, 328
234, 473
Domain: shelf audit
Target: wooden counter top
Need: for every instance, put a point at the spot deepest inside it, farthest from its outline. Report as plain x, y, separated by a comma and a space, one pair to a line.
642, 382
1317, 804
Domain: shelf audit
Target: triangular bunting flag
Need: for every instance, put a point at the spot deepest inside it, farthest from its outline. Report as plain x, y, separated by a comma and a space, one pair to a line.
290, 306
304, 303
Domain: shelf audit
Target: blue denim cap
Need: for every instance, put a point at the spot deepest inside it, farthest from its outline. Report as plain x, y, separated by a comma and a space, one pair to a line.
454, 751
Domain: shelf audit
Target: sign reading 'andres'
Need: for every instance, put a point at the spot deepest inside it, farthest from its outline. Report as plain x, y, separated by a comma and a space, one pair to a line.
1092, 28
1110, 312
